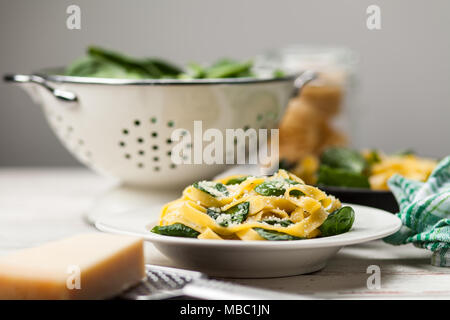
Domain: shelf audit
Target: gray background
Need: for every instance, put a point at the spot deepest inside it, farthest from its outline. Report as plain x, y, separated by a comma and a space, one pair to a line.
404, 68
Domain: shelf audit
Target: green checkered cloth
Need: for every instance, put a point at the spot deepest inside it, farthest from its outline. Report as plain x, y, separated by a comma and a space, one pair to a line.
425, 213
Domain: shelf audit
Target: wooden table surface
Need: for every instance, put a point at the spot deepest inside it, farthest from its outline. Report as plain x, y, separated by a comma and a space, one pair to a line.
39, 205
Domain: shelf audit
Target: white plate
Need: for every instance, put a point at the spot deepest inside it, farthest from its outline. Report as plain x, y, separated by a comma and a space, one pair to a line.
252, 259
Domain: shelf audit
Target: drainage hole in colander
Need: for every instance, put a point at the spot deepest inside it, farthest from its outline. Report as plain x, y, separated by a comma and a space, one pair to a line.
137, 123
154, 134
156, 168
168, 141
80, 142
127, 156
121, 143
125, 131
169, 153
140, 165
170, 124
155, 158
140, 140
141, 152
153, 120
173, 166
259, 117
155, 147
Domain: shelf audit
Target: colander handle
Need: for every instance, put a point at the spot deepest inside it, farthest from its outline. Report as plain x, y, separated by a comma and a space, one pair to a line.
62, 95
302, 80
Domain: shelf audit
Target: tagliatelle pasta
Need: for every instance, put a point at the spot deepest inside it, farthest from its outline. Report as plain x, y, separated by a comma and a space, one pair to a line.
277, 207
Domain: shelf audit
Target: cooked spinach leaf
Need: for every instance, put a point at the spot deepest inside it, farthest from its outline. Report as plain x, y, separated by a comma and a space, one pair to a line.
343, 158
337, 222
341, 178
283, 222
213, 212
296, 193
236, 180
269, 188
273, 235
274, 187
176, 230
236, 214
212, 188
239, 212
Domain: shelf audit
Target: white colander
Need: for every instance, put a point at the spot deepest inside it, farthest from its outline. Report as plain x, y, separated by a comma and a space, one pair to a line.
122, 128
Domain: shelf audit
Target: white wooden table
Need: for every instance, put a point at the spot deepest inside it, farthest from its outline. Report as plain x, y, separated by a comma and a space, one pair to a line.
38, 205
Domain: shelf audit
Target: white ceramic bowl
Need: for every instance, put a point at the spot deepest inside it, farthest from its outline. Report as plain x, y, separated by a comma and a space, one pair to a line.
252, 259
122, 128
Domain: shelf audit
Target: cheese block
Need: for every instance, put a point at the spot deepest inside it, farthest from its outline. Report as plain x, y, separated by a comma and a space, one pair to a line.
86, 266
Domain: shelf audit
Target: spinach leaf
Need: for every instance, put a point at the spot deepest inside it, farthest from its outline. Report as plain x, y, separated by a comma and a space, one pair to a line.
213, 212
340, 221
269, 188
273, 235
104, 63
194, 71
211, 187
236, 214
229, 69
166, 68
274, 187
341, 178
176, 230
291, 181
343, 158
101, 62
239, 212
100, 68
296, 193
128, 63
283, 222
236, 180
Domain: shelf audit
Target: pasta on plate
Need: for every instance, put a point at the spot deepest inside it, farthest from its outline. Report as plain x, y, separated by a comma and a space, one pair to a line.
277, 207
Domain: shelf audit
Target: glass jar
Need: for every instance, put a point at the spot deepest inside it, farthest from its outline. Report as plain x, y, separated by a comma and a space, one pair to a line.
324, 114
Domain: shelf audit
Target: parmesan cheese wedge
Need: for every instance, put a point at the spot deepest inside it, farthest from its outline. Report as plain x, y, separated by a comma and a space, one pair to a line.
86, 266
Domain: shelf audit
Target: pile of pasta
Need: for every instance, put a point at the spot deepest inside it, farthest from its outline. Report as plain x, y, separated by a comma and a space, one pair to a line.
251, 208
408, 166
